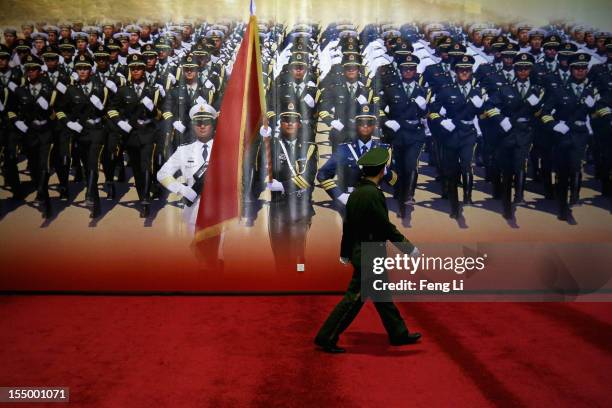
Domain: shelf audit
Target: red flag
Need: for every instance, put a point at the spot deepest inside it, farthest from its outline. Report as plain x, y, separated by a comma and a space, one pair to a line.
238, 123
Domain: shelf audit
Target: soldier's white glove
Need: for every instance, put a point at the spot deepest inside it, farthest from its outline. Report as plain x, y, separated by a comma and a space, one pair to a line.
12, 86
1, 107
421, 102
161, 90
74, 76
76, 126
61, 87
42, 102
477, 101
188, 193
178, 125
172, 78
448, 124
362, 100
506, 125
148, 103
95, 101
561, 127
201, 100
265, 131
336, 124
415, 253
533, 100
343, 198
111, 85
309, 101
589, 101
393, 125
344, 261
21, 126
276, 185
125, 126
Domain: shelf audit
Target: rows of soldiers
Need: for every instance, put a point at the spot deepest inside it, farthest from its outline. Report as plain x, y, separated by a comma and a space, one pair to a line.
501, 96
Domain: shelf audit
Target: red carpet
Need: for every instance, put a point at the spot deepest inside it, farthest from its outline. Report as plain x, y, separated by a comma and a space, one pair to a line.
257, 351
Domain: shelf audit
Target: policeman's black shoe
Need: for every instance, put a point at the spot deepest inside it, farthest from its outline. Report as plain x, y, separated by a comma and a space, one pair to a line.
249, 222
564, 214
331, 348
46, 209
455, 213
95, 210
402, 210
409, 338
508, 213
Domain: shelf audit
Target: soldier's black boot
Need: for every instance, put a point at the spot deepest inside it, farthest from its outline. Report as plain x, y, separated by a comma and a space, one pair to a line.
564, 209
519, 188
92, 197
12, 177
575, 182
145, 201
468, 185
444, 184
63, 172
506, 193
549, 189
453, 196
42, 195
497, 184
412, 178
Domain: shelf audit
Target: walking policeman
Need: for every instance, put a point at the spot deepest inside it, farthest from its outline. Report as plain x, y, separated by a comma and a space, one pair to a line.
80, 113
133, 112
367, 220
516, 105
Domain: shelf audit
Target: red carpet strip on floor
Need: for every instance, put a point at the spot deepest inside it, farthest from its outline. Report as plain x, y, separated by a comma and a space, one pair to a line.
257, 351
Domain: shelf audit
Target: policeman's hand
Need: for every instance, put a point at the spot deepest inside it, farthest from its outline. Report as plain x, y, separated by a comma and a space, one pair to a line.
506, 125
421, 102
148, 103
448, 124
362, 100
344, 261
61, 87
96, 102
343, 198
533, 100
125, 126
178, 125
336, 124
76, 126
589, 101
477, 101
111, 85
561, 127
275, 185
393, 125
20, 124
42, 102
309, 101
265, 131
188, 193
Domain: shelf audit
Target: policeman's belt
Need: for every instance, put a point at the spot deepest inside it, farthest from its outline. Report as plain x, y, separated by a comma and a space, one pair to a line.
39, 122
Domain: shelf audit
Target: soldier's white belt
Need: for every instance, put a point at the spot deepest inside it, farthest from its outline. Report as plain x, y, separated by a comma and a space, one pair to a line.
143, 122
412, 122
522, 120
467, 122
94, 121
580, 123
39, 122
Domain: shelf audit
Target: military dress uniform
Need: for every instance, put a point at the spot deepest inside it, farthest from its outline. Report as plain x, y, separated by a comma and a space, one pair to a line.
452, 112
406, 103
293, 168
367, 220
80, 113
516, 107
340, 174
565, 112
32, 118
133, 111
340, 102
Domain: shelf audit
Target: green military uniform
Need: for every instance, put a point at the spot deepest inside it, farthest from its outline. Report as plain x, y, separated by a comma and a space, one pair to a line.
367, 220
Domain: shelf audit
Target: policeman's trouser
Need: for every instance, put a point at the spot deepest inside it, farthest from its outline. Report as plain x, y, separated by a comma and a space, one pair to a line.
141, 162
348, 308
